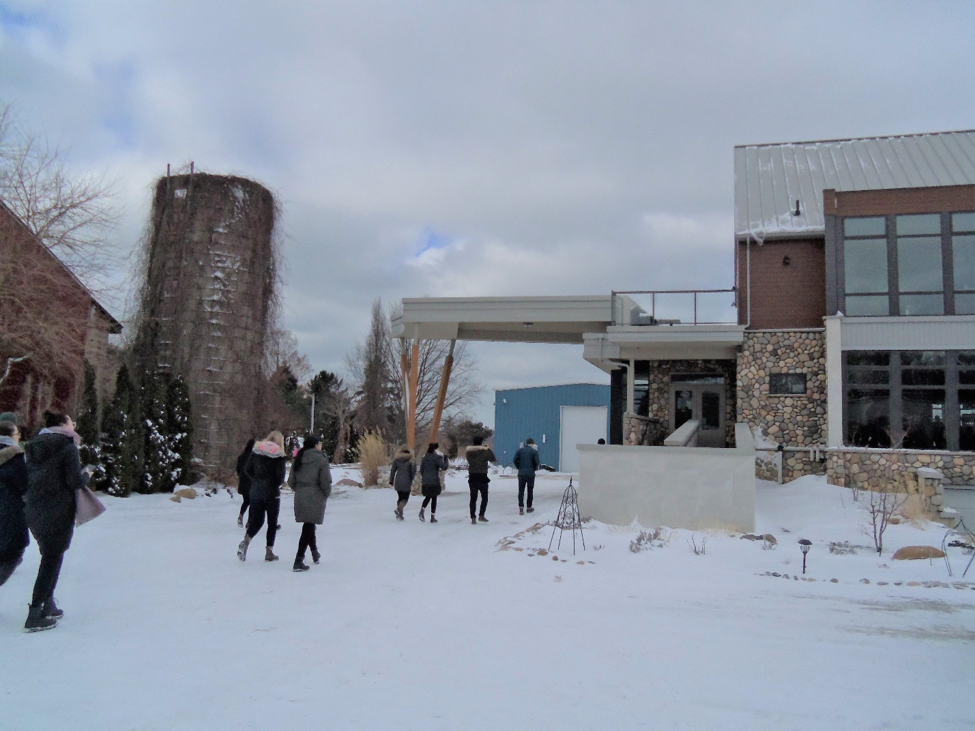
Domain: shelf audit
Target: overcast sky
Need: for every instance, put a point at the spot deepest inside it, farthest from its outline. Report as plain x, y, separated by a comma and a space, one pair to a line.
477, 148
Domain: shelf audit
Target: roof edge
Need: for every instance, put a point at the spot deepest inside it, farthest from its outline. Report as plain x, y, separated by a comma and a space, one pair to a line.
858, 139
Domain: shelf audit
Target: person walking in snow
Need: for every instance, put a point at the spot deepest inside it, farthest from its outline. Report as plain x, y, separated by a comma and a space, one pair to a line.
311, 479
244, 481
401, 476
434, 462
54, 475
526, 461
478, 457
266, 468
14, 538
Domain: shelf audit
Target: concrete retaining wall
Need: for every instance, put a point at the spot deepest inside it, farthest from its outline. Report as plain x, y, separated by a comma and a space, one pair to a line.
679, 487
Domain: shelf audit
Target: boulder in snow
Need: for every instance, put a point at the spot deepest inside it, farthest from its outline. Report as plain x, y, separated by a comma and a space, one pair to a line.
188, 492
913, 553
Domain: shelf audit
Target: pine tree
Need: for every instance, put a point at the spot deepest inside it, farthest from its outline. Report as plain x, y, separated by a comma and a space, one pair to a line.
179, 427
159, 460
87, 422
119, 467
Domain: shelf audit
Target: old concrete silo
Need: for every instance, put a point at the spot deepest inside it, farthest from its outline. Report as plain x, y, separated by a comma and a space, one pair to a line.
207, 301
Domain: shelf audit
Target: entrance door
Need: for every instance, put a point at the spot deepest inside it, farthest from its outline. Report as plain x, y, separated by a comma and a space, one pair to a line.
702, 398
580, 425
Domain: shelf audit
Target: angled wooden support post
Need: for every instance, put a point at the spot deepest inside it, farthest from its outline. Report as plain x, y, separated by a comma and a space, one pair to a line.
448, 364
404, 362
414, 385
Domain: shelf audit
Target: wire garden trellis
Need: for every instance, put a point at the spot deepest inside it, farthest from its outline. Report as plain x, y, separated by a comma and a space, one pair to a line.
968, 537
568, 519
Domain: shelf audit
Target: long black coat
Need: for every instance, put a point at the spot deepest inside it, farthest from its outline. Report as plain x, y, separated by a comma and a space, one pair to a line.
243, 479
53, 476
13, 485
267, 474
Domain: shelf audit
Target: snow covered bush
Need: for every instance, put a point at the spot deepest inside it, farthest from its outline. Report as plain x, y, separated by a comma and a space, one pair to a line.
160, 461
179, 429
644, 540
119, 467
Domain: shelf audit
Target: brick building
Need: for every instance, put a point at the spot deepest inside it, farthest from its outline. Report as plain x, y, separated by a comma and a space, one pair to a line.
853, 343
48, 315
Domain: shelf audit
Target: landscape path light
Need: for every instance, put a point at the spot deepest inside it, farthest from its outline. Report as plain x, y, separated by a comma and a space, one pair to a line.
804, 545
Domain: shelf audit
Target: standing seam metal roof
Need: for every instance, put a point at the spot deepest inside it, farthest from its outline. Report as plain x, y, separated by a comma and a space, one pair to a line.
770, 178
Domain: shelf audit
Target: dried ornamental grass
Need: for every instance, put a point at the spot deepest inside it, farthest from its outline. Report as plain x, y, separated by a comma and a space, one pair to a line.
372, 456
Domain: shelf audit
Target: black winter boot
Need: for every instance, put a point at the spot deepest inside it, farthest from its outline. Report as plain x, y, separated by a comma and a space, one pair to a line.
51, 609
315, 555
36, 621
300, 564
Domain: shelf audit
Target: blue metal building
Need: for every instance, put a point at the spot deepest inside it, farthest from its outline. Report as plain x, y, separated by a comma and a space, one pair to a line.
556, 417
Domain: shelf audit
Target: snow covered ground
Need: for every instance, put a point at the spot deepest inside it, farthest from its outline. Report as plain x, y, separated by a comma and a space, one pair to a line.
408, 625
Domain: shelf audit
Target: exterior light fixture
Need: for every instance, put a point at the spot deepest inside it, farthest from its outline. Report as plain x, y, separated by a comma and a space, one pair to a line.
786, 261
804, 545
528, 325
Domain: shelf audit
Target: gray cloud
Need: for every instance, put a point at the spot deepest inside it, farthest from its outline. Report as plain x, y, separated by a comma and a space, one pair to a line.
551, 147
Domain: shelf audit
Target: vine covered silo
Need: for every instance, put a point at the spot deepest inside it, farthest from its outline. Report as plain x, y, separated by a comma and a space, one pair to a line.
207, 301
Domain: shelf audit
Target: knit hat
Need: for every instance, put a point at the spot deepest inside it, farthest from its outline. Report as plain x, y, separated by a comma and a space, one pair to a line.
9, 417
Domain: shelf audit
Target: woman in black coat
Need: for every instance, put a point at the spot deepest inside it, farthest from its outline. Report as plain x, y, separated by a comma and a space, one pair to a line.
244, 481
430, 468
54, 476
13, 485
266, 468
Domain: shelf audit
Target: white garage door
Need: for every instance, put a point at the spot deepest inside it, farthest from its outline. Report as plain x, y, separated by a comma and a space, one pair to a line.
580, 425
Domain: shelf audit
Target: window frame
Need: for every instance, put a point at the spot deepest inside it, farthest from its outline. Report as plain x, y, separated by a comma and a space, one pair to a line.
839, 296
895, 387
786, 376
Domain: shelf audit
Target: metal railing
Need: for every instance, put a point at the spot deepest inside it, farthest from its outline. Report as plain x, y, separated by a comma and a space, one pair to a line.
627, 310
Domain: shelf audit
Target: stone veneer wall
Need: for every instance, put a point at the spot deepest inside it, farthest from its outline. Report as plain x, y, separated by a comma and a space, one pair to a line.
790, 420
876, 468
659, 392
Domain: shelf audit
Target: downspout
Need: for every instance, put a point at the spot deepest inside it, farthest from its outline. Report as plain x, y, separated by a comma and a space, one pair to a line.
748, 280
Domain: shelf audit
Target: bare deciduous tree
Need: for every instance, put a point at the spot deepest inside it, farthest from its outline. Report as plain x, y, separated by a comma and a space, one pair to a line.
281, 352
71, 213
42, 318
375, 368
882, 505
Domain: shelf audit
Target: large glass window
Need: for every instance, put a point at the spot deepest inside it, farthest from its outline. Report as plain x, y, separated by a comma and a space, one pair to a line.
919, 270
641, 388
966, 419
917, 264
963, 253
865, 266
868, 417
910, 399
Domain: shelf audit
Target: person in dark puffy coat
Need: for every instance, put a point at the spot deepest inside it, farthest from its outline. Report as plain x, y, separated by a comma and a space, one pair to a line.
14, 538
266, 469
54, 476
434, 462
311, 479
479, 457
401, 476
244, 481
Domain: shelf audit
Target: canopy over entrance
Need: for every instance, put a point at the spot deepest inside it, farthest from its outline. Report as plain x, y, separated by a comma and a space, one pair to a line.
504, 319
613, 329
